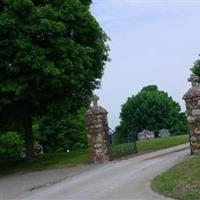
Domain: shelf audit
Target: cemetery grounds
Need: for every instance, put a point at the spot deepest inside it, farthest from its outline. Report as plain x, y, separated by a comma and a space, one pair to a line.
74, 158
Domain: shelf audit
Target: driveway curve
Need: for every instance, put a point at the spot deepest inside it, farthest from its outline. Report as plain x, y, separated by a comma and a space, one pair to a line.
119, 180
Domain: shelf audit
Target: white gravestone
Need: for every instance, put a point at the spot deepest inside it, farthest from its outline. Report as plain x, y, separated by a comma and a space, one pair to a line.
146, 135
164, 133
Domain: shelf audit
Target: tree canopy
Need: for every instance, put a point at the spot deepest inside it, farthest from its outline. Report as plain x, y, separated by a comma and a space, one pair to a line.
52, 56
151, 109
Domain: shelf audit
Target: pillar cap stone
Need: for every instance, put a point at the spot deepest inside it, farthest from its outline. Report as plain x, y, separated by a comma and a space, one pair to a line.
95, 100
194, 79
95, 109
194, 91
191, 93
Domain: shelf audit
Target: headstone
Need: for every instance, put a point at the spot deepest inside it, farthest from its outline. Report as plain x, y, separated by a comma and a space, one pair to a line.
164, 133
146, 135
38, 149
97, 134
192, 99
23, 153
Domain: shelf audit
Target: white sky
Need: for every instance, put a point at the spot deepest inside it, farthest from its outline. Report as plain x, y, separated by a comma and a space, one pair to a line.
152, 42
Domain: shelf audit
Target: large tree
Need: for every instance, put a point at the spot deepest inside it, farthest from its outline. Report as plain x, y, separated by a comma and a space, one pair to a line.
151, 109
52, 55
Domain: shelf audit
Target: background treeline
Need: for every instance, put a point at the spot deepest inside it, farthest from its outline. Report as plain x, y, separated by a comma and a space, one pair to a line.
153, 110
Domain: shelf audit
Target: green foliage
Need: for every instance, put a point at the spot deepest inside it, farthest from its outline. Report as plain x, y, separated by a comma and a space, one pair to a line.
153, 110
196, 68
51, 51
11, 145
52, 56
86, 2
60, 133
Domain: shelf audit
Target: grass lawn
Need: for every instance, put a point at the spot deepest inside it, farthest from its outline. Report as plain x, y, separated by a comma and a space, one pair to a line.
145, 146
161, 143
64, 160
46, 161
181, 182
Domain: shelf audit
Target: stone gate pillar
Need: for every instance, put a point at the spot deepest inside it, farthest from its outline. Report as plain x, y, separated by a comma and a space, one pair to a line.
97, 134
192, 99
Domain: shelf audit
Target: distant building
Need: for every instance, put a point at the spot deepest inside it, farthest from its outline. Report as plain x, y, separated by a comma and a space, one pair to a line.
164, 133
146, 135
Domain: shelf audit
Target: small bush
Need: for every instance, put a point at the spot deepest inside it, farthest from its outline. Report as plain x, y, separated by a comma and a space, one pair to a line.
11, 145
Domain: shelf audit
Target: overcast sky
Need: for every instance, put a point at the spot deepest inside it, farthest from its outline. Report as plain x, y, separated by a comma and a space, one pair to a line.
152, 42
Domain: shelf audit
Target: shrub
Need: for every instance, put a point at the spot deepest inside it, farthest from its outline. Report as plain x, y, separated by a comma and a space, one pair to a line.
11, 145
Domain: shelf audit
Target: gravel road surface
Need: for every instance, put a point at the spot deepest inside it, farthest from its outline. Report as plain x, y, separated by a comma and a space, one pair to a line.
127, 179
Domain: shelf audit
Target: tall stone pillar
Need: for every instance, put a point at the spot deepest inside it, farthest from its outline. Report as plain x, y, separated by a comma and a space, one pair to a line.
192, 99
97, 135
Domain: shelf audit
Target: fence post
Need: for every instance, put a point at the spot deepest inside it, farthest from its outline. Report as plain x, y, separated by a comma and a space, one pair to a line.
97, 134
192, 99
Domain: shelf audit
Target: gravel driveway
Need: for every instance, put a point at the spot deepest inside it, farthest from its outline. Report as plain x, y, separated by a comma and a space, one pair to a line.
121, 180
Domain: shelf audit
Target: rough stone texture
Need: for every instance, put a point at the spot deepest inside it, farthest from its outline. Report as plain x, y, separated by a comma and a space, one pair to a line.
192, 99
97, 134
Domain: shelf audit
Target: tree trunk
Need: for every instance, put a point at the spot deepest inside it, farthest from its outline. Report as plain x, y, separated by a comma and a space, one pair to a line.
27, 122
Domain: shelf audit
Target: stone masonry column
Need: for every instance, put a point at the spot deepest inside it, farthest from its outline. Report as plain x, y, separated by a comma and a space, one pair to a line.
192, 99
97, 134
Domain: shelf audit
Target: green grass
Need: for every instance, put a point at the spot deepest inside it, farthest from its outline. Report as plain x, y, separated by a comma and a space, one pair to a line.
181, 182
46, 161
64, 160
145, 146
161, 143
